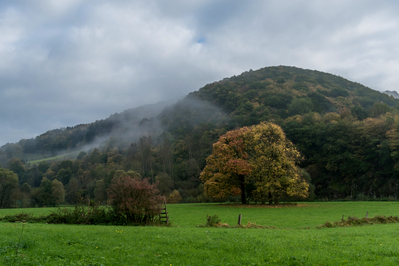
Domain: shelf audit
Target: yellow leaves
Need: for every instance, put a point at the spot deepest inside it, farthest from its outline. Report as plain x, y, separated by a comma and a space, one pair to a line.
261, 154
372, 126
393, 139
273, 158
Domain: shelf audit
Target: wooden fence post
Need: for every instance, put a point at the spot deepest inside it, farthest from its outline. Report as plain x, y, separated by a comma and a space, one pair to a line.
239, 219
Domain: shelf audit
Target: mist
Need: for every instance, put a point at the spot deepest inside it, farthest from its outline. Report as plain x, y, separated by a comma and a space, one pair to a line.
120, 130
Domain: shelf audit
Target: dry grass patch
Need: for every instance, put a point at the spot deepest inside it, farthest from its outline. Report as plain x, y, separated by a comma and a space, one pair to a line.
248, 206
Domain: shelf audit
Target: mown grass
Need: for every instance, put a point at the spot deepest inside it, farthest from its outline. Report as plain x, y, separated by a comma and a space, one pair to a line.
186, 244
305, 215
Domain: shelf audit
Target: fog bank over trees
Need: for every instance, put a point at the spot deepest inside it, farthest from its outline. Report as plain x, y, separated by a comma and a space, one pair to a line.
346, 132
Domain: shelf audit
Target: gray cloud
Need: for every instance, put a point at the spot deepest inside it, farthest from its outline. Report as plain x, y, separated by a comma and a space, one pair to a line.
66, 62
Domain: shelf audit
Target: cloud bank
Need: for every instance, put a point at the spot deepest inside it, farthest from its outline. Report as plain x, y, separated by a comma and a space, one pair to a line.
67, 62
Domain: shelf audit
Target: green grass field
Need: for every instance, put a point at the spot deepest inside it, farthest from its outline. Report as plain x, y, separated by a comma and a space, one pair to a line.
186, 244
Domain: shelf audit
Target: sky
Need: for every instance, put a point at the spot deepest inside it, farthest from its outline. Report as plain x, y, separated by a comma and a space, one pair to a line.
68, 62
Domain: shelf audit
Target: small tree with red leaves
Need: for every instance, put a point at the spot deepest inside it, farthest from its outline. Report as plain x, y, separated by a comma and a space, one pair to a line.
137, 200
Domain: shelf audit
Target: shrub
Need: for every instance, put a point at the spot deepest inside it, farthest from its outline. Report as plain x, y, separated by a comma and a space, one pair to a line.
17, 218
190, 199
361, 197
90, 215
174, 197
328, 224
202, 198
80, 215
353, 221
212, 220
136, 200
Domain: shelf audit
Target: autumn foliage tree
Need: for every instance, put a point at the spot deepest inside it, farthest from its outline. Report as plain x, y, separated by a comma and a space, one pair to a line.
228, 169
260, 155
274, 160
137, 200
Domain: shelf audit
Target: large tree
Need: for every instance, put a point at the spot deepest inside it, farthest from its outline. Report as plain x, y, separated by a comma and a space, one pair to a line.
260, 155
8, 187
227, 168
58, 191
43, 195
274, 160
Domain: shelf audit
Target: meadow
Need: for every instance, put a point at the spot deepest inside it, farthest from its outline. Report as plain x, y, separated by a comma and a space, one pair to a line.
186, 244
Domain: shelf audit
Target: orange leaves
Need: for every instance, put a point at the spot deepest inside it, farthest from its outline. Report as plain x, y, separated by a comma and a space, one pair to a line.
226, 165
261, 155
238, 167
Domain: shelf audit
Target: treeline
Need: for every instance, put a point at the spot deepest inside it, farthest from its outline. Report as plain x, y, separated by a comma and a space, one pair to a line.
347, 157
345, 131
90, 175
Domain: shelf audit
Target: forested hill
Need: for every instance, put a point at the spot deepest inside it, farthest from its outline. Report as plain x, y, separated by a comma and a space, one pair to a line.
279, 92
129, 125
346, 132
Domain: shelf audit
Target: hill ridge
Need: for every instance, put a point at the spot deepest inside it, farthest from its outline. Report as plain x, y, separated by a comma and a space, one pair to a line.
256, 95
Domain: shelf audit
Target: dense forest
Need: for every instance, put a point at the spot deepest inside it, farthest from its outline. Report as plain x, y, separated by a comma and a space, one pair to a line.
347, 133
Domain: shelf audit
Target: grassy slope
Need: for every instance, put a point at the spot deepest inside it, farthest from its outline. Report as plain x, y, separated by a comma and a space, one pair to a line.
188, 245
36, 159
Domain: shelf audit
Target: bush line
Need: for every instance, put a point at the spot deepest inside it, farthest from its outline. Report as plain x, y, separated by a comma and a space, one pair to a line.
353, 221
93, 215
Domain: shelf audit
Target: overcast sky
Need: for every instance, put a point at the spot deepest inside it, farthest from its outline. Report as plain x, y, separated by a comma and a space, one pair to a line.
67, 62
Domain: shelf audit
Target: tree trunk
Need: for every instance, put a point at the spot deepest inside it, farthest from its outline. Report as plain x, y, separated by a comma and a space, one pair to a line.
270, 198
243, 198
276, 201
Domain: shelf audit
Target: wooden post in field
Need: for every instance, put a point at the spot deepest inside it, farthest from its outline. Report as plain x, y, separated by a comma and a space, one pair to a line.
343, 217
239, 219
367, 215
